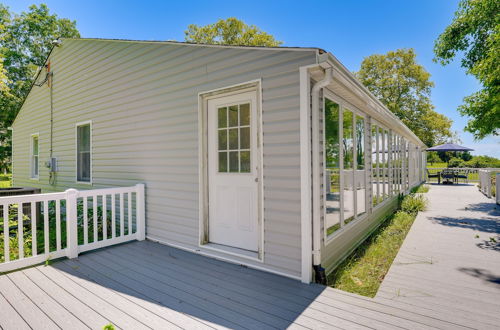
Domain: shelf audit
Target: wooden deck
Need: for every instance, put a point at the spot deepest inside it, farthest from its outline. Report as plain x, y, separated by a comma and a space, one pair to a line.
143, 285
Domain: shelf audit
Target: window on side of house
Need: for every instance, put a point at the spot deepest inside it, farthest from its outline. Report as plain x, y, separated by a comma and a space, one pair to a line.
83, 153
332, 166
34, 157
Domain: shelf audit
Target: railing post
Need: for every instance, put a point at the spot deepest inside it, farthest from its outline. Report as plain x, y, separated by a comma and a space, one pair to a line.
71, 223
497, 188
141, 214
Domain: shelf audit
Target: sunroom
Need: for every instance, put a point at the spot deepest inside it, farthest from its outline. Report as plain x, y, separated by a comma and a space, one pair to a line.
362, 159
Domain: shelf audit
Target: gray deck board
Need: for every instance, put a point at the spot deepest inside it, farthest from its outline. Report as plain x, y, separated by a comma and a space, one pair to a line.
9, 316
441, 279
48, 305
92, 318
34, 316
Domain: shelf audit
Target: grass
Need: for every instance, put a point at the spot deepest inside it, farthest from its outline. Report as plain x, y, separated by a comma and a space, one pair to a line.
422, 189
5, 180
363, 270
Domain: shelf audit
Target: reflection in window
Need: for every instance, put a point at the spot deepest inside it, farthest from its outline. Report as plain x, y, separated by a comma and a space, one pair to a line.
385, 162
375, 166
332, 166
359, 173
347, 145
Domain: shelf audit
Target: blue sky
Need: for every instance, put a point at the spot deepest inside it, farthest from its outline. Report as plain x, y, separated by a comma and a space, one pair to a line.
351, 30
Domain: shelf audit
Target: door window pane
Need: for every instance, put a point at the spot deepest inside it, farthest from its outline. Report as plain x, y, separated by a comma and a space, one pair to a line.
223, 139
233, 161
222, 117
244, 114
222, 162
245, 138
233, 116
233, 139
332, 167
245, 161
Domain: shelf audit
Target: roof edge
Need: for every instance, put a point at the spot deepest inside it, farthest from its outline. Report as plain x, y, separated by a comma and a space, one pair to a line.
173, 42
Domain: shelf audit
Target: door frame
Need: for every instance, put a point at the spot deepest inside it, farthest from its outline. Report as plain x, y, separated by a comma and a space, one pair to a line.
203, 98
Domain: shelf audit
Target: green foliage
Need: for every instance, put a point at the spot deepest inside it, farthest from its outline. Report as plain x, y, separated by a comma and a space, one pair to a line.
413, 203
456, 162
25, 42
108, 326
475, 34
483, 162
231, 31
404, 86
421, 189
433, 157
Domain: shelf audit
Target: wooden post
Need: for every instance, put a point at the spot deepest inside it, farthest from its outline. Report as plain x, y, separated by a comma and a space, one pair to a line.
71, 223
141, 214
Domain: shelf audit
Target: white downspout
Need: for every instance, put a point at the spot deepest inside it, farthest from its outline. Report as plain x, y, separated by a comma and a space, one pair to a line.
316, 232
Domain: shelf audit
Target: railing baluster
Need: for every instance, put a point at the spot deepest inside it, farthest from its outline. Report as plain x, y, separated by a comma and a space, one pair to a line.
94, 214
129, 200
122, 225
104, 217
85, 221
58, 224
46, 226
113, 215
34, 246
6, 232
20, 234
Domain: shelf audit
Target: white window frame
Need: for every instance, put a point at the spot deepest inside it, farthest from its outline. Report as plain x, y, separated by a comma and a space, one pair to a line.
356, 111
32, 176
83, 123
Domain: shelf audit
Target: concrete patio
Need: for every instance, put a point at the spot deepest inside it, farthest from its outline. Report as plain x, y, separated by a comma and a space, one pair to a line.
444, 277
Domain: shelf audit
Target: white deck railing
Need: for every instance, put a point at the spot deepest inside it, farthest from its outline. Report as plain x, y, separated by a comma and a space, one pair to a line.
486, 182
68, 223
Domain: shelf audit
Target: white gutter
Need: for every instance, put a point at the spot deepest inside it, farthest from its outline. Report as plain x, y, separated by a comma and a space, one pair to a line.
316, 232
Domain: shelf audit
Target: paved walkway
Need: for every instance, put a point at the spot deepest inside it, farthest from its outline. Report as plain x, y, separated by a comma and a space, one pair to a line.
449, 264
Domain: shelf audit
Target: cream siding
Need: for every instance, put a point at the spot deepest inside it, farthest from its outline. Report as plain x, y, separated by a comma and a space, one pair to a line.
142, 99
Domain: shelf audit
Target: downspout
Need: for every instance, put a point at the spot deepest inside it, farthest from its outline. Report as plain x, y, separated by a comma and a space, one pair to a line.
320, 275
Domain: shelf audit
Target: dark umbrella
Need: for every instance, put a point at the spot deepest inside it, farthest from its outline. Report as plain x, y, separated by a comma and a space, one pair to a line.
449, 147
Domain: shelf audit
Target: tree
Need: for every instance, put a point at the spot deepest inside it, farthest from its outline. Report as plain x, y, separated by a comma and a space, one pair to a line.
231, 31
475, 33
433, 157
25, 42
404, 87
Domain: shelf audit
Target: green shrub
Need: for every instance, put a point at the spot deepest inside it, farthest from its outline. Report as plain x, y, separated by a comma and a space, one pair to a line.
421, 189
456, 162
413, 203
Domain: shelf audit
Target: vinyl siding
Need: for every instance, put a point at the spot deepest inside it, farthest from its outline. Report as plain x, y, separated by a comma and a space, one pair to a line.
142, 99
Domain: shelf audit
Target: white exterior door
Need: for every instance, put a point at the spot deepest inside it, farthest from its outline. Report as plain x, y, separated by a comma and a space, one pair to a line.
233, 171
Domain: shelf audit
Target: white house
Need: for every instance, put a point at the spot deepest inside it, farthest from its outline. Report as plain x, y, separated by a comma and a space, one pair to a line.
274, 158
